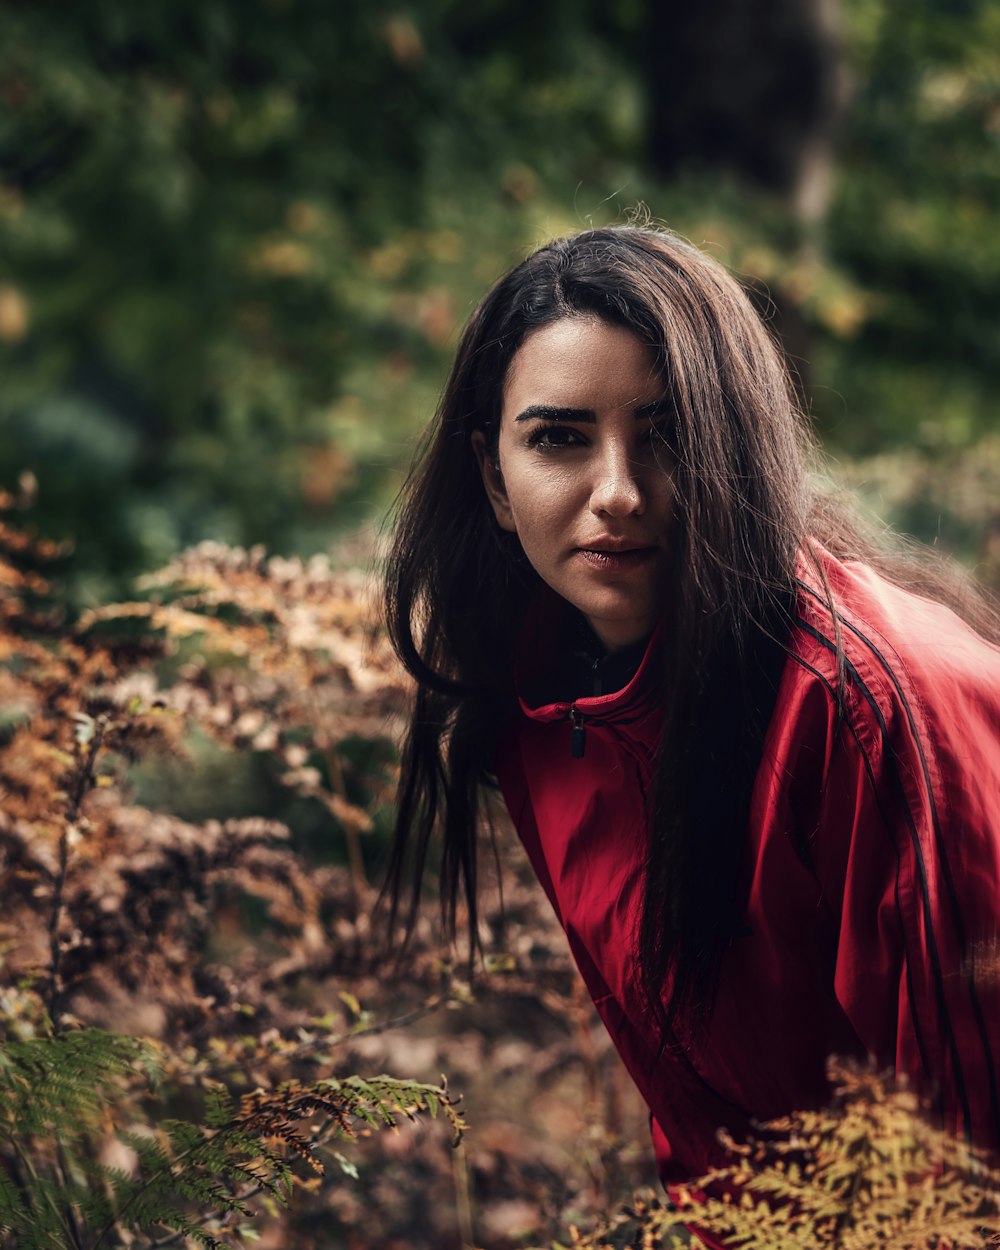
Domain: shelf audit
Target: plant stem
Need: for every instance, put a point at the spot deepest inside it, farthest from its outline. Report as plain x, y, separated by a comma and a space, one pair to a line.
175, 1239
70, 1214
82, 782
463, 1199
54, 995
117, 1216
338, 1039
336, 773
38, 1188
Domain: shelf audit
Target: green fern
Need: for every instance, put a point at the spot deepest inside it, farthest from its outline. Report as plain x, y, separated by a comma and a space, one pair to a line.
60, 1093
63, 1080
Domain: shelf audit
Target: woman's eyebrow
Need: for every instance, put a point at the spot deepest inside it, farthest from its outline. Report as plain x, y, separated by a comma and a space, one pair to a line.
544, 412
548, 412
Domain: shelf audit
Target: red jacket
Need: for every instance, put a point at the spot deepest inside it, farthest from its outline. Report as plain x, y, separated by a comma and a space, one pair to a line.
885, 944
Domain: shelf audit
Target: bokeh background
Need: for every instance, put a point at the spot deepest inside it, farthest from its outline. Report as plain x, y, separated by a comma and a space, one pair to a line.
238, 237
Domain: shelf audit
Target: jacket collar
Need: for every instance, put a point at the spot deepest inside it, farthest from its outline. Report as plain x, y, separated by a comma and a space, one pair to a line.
551, 628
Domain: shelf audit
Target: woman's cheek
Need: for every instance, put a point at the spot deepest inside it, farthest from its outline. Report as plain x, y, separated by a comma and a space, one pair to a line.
540, 511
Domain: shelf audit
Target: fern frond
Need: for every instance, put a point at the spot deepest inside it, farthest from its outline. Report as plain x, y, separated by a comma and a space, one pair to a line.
218, 1106
868, 1172
379, 1101
60, 1083
12, 1204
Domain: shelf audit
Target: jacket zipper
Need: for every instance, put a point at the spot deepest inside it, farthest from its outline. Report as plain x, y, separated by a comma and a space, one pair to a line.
578, 742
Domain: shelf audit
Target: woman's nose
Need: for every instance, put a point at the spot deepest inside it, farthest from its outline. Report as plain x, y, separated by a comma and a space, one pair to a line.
617, 490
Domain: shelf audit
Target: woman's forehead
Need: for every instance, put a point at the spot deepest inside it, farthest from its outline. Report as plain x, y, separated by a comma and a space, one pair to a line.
582, 362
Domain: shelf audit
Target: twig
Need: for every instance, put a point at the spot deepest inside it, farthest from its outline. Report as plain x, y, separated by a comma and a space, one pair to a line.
55, 954
338, 1039
335, 772
82, 783
463, 1199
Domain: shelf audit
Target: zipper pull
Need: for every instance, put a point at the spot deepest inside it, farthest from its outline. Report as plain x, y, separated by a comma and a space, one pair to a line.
577, 740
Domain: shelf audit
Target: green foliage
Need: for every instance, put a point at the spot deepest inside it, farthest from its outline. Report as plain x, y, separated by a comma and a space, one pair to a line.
52, 1083
915, 222
64, 1096
238, 240
54, 1094
237, 237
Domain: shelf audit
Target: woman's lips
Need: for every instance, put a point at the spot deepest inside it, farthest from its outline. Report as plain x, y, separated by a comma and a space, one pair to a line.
616, 561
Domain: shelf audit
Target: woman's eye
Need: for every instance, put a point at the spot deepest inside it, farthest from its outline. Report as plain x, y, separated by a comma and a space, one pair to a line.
659, 436
548, 437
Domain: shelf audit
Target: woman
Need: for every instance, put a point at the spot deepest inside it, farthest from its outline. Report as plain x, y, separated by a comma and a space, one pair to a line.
754, 762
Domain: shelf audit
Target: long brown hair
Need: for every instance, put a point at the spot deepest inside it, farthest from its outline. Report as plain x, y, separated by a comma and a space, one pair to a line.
746, 502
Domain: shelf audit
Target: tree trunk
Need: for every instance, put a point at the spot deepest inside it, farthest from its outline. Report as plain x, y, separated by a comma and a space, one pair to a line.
753, 86
756, 88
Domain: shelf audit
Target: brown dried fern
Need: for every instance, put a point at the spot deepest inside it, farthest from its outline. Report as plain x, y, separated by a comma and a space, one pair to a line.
868, 1172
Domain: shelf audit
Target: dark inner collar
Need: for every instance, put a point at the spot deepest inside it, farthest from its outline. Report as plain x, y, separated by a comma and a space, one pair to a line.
581, 667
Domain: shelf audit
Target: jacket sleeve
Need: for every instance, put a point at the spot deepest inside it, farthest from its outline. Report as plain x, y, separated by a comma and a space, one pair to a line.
907, 849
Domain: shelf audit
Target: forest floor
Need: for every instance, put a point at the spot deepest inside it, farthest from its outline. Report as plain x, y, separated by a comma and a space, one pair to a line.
557, 1133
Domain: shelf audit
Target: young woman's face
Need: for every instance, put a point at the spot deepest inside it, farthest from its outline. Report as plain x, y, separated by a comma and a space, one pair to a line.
584, 474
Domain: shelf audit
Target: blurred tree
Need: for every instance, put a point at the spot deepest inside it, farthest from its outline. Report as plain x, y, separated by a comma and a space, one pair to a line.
916, 219
209, 217
885, 266
755, 87
236, 238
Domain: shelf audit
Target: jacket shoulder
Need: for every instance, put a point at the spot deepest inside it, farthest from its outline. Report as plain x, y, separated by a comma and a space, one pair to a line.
894, 641
911, 679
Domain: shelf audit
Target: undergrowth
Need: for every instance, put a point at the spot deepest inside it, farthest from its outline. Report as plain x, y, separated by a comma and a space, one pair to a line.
185, 1006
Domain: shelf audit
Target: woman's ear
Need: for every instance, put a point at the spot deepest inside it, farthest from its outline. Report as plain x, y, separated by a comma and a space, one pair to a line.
496, 491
